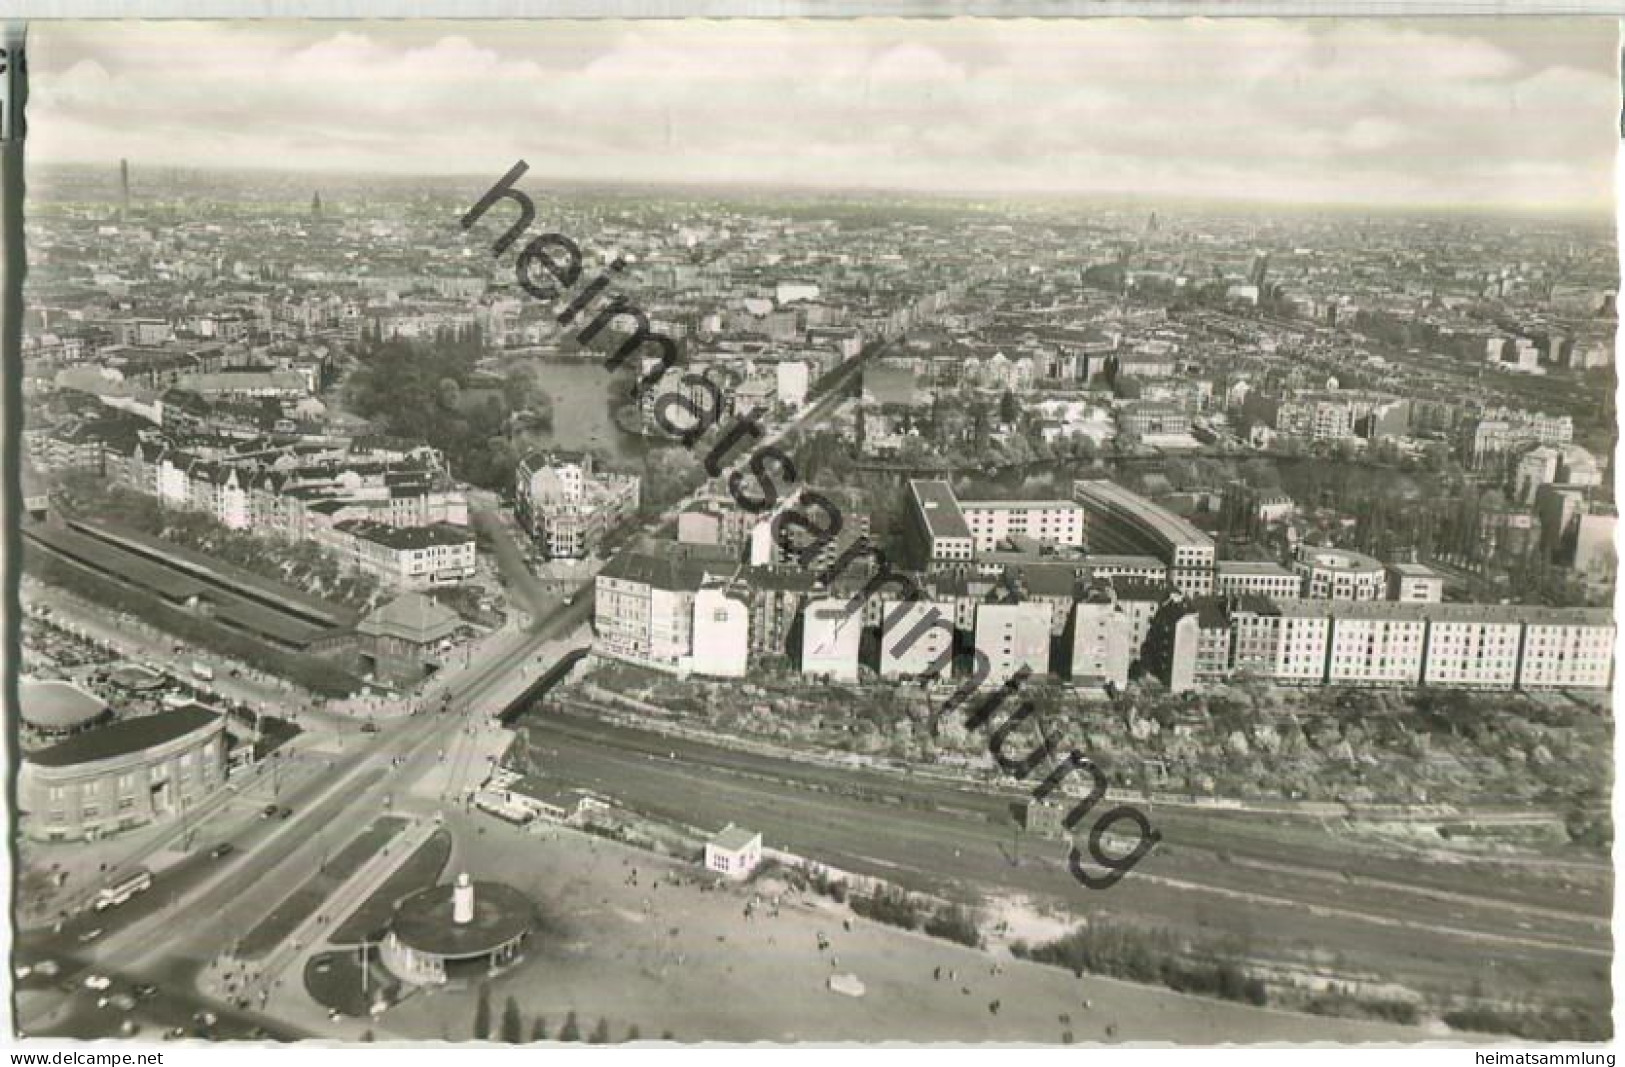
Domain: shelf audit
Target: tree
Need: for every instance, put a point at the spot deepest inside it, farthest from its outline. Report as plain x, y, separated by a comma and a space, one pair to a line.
482, 1014
538, 1029
1009, 408
571, 1030
600, 1033
513, 1027
633, 1033
367, 1038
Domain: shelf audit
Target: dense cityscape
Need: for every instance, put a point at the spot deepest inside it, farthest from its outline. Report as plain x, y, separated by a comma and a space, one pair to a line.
411, 653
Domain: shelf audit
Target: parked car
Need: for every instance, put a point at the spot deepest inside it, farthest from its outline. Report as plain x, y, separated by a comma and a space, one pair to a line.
144, 990
269, 811
284, 813
369, 727
224, 848
90, 935
98, 982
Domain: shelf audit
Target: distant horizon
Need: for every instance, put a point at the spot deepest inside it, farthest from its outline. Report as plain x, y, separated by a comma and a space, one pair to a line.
1517, 116
536, 183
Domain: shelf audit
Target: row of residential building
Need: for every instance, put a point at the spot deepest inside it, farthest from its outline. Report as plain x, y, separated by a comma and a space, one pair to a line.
1475, 646
391, 512
690, 613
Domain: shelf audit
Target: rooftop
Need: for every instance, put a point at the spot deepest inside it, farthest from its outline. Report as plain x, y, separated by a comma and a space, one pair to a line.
1163, 523
1337, 559
126, 737
1238, 566
501, 914
412, 617
940, 508
406, 537
734, 838
54, 705
1022, 505
1411, 611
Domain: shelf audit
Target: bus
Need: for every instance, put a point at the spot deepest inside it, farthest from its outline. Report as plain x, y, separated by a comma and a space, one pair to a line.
116, 893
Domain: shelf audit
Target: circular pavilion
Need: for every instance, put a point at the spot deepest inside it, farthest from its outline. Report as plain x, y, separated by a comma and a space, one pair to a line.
54, 709
461, 930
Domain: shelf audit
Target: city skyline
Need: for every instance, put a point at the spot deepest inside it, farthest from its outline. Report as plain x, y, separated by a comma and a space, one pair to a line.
1438, 114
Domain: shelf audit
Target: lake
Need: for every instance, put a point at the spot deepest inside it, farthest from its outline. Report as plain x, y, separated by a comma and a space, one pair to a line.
583, 393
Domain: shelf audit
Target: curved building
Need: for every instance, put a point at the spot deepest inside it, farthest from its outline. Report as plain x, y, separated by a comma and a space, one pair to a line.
1338, 574
127, 774
53, 710
460, 930
1120, 522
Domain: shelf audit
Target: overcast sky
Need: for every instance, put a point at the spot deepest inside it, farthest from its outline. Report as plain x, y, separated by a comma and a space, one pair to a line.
1515, 112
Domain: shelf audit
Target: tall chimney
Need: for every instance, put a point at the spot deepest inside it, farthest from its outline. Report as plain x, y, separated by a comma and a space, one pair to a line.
462, 900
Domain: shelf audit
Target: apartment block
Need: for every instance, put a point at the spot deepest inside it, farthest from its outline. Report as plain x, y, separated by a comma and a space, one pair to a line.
831, 639
1474, 648
1568, 650
720, 631
1013, 636
1049, 522
1371, 645
566, 507
404, 558
1102, 644
916, 639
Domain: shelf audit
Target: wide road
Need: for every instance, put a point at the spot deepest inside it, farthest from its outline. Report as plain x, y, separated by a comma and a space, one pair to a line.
142, 942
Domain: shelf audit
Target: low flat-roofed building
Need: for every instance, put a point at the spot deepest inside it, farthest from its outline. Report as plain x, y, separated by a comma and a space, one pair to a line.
1414, 583
1241, 578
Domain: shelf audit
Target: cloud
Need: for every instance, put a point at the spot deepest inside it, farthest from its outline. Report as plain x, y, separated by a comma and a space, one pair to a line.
1350, 111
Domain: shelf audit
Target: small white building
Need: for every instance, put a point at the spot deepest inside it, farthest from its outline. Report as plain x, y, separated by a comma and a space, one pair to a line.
734, 852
